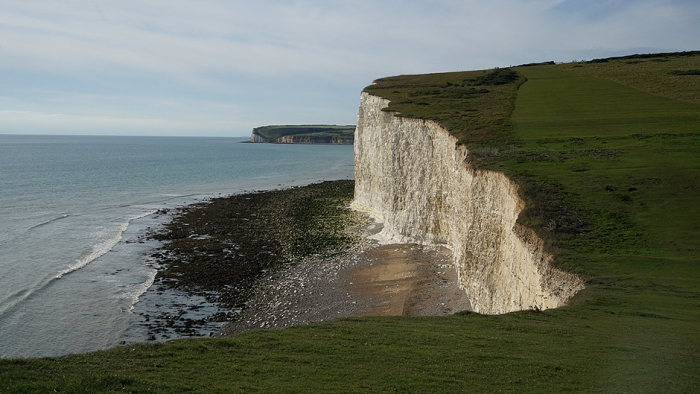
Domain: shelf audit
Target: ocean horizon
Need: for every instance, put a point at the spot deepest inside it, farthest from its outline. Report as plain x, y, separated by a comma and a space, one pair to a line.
75, 261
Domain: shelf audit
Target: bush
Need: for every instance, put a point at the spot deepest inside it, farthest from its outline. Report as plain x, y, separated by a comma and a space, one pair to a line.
685, 72
499, 76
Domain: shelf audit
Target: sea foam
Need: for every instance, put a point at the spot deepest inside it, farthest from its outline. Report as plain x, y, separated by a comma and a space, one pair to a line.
109, 240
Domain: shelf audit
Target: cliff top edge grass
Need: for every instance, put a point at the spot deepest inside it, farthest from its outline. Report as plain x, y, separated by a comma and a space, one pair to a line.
474, 106
273, 132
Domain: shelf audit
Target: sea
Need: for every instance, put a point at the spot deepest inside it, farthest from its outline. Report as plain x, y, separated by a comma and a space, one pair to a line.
76, 212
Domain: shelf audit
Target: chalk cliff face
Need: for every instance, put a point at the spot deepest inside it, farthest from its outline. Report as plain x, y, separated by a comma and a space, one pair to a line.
303, 139
411, 175
257, 138
293, 139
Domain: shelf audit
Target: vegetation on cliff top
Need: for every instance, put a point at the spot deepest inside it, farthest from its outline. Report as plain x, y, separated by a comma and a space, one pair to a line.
607, 156
313, 132
474, 105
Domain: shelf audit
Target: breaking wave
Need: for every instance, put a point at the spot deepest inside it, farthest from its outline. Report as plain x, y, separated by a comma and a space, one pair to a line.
108, 240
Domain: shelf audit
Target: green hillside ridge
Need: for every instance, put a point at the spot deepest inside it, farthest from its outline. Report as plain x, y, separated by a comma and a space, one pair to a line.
607, 157
313, 132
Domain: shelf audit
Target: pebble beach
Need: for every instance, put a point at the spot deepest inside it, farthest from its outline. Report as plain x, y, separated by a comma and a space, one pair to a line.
280, 258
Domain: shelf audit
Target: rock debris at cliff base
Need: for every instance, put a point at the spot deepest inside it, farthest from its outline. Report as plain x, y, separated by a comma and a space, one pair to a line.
369, 280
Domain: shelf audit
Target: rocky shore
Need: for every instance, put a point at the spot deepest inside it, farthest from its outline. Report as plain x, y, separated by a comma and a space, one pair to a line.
368, 280
284, 257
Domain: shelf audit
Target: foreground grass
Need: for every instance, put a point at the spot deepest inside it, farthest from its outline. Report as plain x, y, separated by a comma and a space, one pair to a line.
611, 174
563, 351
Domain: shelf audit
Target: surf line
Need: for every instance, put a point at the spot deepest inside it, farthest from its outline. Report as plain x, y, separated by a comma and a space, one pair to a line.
98, 250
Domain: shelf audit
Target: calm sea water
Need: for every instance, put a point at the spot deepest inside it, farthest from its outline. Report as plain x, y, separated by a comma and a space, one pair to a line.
74, 211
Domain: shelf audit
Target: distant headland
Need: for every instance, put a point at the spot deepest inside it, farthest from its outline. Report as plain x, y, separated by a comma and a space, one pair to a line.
304, 134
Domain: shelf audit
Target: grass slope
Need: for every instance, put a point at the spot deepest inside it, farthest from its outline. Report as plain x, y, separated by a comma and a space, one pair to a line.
473, 105
271, 133
611, 174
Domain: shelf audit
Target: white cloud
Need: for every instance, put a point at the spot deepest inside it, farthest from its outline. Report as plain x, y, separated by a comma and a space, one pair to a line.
174, 59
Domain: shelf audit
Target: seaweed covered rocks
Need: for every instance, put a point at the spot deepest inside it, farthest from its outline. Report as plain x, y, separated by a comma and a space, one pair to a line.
219, 249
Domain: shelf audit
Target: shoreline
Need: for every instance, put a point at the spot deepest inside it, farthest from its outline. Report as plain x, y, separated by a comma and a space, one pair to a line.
278, 258
78, 259
213, 252
370, 280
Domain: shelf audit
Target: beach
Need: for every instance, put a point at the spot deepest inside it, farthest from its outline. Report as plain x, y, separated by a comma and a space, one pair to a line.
280, 258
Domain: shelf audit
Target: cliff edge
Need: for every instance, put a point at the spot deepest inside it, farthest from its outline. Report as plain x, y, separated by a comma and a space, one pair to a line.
411, 175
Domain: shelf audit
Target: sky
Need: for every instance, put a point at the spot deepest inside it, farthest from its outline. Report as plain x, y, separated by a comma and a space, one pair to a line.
223, 67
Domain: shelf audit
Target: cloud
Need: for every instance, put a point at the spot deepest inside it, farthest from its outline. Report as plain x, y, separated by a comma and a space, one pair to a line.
297, 61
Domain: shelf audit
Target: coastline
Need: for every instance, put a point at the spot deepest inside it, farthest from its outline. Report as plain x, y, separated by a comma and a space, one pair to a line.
213, 253
79, 275
368, 280
280, 258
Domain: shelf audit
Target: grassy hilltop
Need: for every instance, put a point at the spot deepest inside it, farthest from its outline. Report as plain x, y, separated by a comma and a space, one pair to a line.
607, 156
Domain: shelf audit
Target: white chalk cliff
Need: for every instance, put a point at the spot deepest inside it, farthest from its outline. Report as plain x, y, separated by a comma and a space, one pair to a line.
412, 176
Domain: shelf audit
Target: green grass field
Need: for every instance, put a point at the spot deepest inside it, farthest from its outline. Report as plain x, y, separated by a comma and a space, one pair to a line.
608, 158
